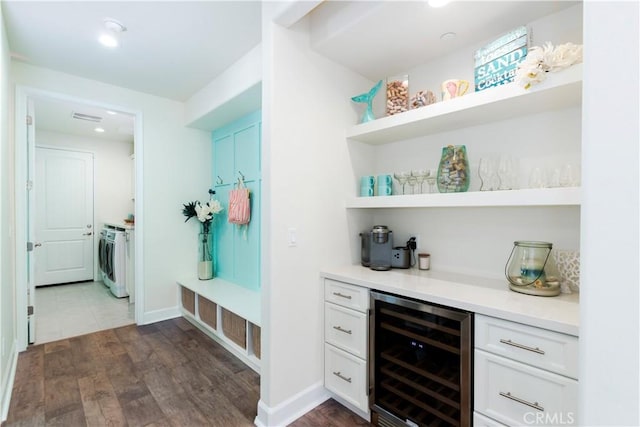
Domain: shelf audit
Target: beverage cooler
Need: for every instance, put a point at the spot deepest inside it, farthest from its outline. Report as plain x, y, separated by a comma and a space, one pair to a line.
420, 363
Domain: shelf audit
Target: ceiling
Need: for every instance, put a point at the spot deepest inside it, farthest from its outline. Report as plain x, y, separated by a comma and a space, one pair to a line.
170, 49
407, 33
174, 48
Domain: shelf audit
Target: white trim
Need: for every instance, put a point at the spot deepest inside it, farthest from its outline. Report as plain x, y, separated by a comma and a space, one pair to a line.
7, 386
22, 94
158, 315
291, 409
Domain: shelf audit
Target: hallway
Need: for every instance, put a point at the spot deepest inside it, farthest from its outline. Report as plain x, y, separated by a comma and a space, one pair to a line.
69, 310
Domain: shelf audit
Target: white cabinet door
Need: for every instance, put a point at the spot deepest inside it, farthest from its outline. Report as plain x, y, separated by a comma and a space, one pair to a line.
346, 329
517, 394
346, 376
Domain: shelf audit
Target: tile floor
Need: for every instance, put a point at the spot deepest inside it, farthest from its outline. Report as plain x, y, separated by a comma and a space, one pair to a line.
69, 310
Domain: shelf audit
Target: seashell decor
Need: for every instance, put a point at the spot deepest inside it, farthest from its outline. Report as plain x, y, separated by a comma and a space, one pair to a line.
568, 264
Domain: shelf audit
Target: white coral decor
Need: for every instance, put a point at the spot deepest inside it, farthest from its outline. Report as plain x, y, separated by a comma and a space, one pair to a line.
541, 60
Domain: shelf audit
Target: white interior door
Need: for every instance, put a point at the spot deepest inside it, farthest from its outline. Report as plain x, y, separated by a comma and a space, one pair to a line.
63, 216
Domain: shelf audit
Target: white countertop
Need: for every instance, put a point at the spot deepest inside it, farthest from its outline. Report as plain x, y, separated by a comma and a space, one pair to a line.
244, 302
480, 295
120, 224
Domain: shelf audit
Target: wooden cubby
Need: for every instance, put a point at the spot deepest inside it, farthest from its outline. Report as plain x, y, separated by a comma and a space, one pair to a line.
226, 312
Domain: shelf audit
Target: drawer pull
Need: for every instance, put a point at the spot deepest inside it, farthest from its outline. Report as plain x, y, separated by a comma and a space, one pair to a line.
339, 375
524, 402
522, 346
338, 294
346, 331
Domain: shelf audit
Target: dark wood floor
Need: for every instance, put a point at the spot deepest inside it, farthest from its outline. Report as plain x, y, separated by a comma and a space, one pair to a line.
165, 374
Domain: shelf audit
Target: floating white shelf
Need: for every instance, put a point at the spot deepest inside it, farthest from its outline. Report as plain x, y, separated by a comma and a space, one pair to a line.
560, 90
529, 197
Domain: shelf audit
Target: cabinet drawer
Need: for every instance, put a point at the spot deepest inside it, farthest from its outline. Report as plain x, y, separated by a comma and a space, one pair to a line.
346, 329
545, 349
480, 420
346, 376
517, 394
346, 295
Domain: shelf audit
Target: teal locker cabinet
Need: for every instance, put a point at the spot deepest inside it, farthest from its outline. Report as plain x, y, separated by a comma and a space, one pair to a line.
236, 153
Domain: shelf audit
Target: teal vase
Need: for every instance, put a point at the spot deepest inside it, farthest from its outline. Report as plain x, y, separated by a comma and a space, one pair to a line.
453, 170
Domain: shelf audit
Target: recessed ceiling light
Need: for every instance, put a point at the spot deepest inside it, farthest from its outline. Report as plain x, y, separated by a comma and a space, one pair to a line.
108, 40
438, 3
110, 37
448, 36
99, 130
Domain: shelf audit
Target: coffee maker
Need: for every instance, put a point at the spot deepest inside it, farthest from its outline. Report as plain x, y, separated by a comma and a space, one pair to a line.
377, 246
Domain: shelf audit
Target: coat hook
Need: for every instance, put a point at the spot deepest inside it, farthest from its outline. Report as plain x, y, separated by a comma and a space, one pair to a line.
220, 181
241, 175
211, 192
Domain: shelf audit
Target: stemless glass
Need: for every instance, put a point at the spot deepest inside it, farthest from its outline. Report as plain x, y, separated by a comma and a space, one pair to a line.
506, 172
431, 179
486, 172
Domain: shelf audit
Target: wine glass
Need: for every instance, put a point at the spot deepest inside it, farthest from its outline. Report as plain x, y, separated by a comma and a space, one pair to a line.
420, 176
487, 172
402, 178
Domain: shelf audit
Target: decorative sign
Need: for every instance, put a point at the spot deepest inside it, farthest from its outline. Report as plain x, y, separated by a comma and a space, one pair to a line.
496, 63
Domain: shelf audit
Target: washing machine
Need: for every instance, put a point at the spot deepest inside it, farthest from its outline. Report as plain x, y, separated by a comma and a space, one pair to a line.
112, 258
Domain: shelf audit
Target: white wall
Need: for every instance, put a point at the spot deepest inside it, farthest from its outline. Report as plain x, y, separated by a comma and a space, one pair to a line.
609, 315
7, 283
305, 170
176, 169
112, 175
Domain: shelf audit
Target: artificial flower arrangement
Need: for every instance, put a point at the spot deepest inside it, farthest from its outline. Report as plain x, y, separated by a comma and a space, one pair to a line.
545, 59
204, 212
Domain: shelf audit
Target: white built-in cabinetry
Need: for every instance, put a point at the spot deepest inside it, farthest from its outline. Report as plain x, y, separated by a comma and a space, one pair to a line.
346, 343
524, 375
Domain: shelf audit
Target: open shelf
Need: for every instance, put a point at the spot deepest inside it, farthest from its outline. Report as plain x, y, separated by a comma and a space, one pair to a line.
567, 196
560, 90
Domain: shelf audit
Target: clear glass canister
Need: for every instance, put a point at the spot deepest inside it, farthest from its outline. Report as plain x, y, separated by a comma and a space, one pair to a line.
528, 269
397, 94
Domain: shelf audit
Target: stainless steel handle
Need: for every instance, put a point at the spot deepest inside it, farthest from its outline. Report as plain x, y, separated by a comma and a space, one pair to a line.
342, 377
338, 294
87, 234
533, 405
522, 346
346, 331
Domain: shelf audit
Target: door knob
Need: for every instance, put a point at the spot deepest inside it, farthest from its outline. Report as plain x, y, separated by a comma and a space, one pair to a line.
87, 234
37, 245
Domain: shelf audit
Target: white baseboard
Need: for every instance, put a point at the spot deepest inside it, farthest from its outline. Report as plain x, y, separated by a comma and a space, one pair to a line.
160, 315
291, 409
7, 385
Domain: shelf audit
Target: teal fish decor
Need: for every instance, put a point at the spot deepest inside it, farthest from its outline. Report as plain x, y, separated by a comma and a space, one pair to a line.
368, 98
